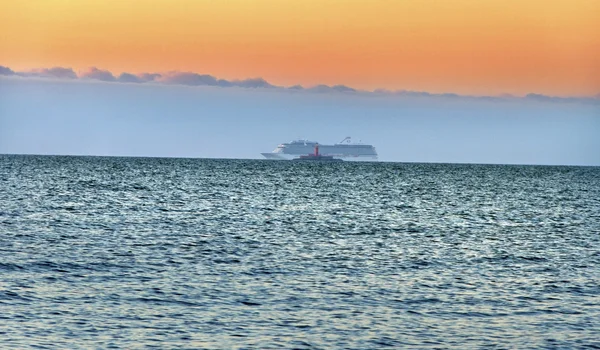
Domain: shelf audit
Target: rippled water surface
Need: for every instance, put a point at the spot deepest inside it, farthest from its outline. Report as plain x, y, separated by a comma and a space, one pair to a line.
195, 253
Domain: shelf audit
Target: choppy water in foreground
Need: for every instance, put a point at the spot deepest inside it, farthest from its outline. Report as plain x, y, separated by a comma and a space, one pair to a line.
189, 253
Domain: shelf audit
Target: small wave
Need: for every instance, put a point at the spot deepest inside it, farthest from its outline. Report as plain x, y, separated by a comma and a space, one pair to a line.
386, 341
165, 301
10, 267
12, 296
419, 301
71, 267
561, 311
138, 186
532, 258
509, 258
55, 266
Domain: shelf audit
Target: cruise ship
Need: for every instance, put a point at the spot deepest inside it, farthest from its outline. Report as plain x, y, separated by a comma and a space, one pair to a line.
344, 150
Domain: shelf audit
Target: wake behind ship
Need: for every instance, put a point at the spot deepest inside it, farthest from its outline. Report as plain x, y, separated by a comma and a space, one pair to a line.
344, 150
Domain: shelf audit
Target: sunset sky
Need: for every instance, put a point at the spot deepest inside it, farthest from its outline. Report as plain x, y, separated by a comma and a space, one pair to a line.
461, 46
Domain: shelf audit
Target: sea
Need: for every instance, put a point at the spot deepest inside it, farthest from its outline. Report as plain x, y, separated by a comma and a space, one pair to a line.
168, 253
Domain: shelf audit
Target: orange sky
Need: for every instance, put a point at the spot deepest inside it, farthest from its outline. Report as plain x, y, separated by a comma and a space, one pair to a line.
462, 46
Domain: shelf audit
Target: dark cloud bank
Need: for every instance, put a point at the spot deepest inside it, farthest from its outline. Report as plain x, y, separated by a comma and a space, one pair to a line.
195, 79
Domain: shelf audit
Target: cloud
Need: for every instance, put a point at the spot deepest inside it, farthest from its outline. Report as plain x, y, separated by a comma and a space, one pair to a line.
6, 71
322, 88
188, 78
129, 78
138, 78
97, 74
449, 94
539, 97
224, 83
329, 89
343, 88
149, 76
195, 79
556, 99
54, 72
253, 83
413, 93
507, 95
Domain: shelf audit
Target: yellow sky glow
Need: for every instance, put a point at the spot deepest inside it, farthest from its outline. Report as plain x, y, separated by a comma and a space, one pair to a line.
463, 46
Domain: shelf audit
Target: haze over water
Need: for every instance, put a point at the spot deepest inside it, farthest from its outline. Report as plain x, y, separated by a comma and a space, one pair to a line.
198, 253
49, 116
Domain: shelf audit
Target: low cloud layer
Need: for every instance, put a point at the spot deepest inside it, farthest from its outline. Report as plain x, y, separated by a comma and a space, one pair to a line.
329, 89
6, 71
188, 78
129, 78
54, 72
196, 79
97, 74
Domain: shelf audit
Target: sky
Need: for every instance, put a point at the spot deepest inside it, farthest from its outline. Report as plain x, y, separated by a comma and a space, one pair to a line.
462, 81
475, 47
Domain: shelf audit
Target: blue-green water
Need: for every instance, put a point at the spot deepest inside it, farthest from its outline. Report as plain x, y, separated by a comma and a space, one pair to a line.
194, 253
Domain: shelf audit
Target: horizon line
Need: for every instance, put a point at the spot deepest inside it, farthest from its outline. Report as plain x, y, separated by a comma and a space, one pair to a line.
284, 161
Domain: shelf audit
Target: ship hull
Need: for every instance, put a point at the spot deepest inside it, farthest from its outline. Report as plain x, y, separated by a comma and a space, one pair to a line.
285, 156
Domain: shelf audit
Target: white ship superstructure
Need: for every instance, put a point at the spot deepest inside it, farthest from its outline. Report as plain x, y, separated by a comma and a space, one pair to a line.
345, 150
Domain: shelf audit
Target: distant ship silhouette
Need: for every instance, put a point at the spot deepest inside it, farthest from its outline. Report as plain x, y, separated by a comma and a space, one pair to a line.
317, 156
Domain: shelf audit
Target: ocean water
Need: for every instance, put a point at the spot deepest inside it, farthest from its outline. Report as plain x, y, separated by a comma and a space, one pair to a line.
99, 252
